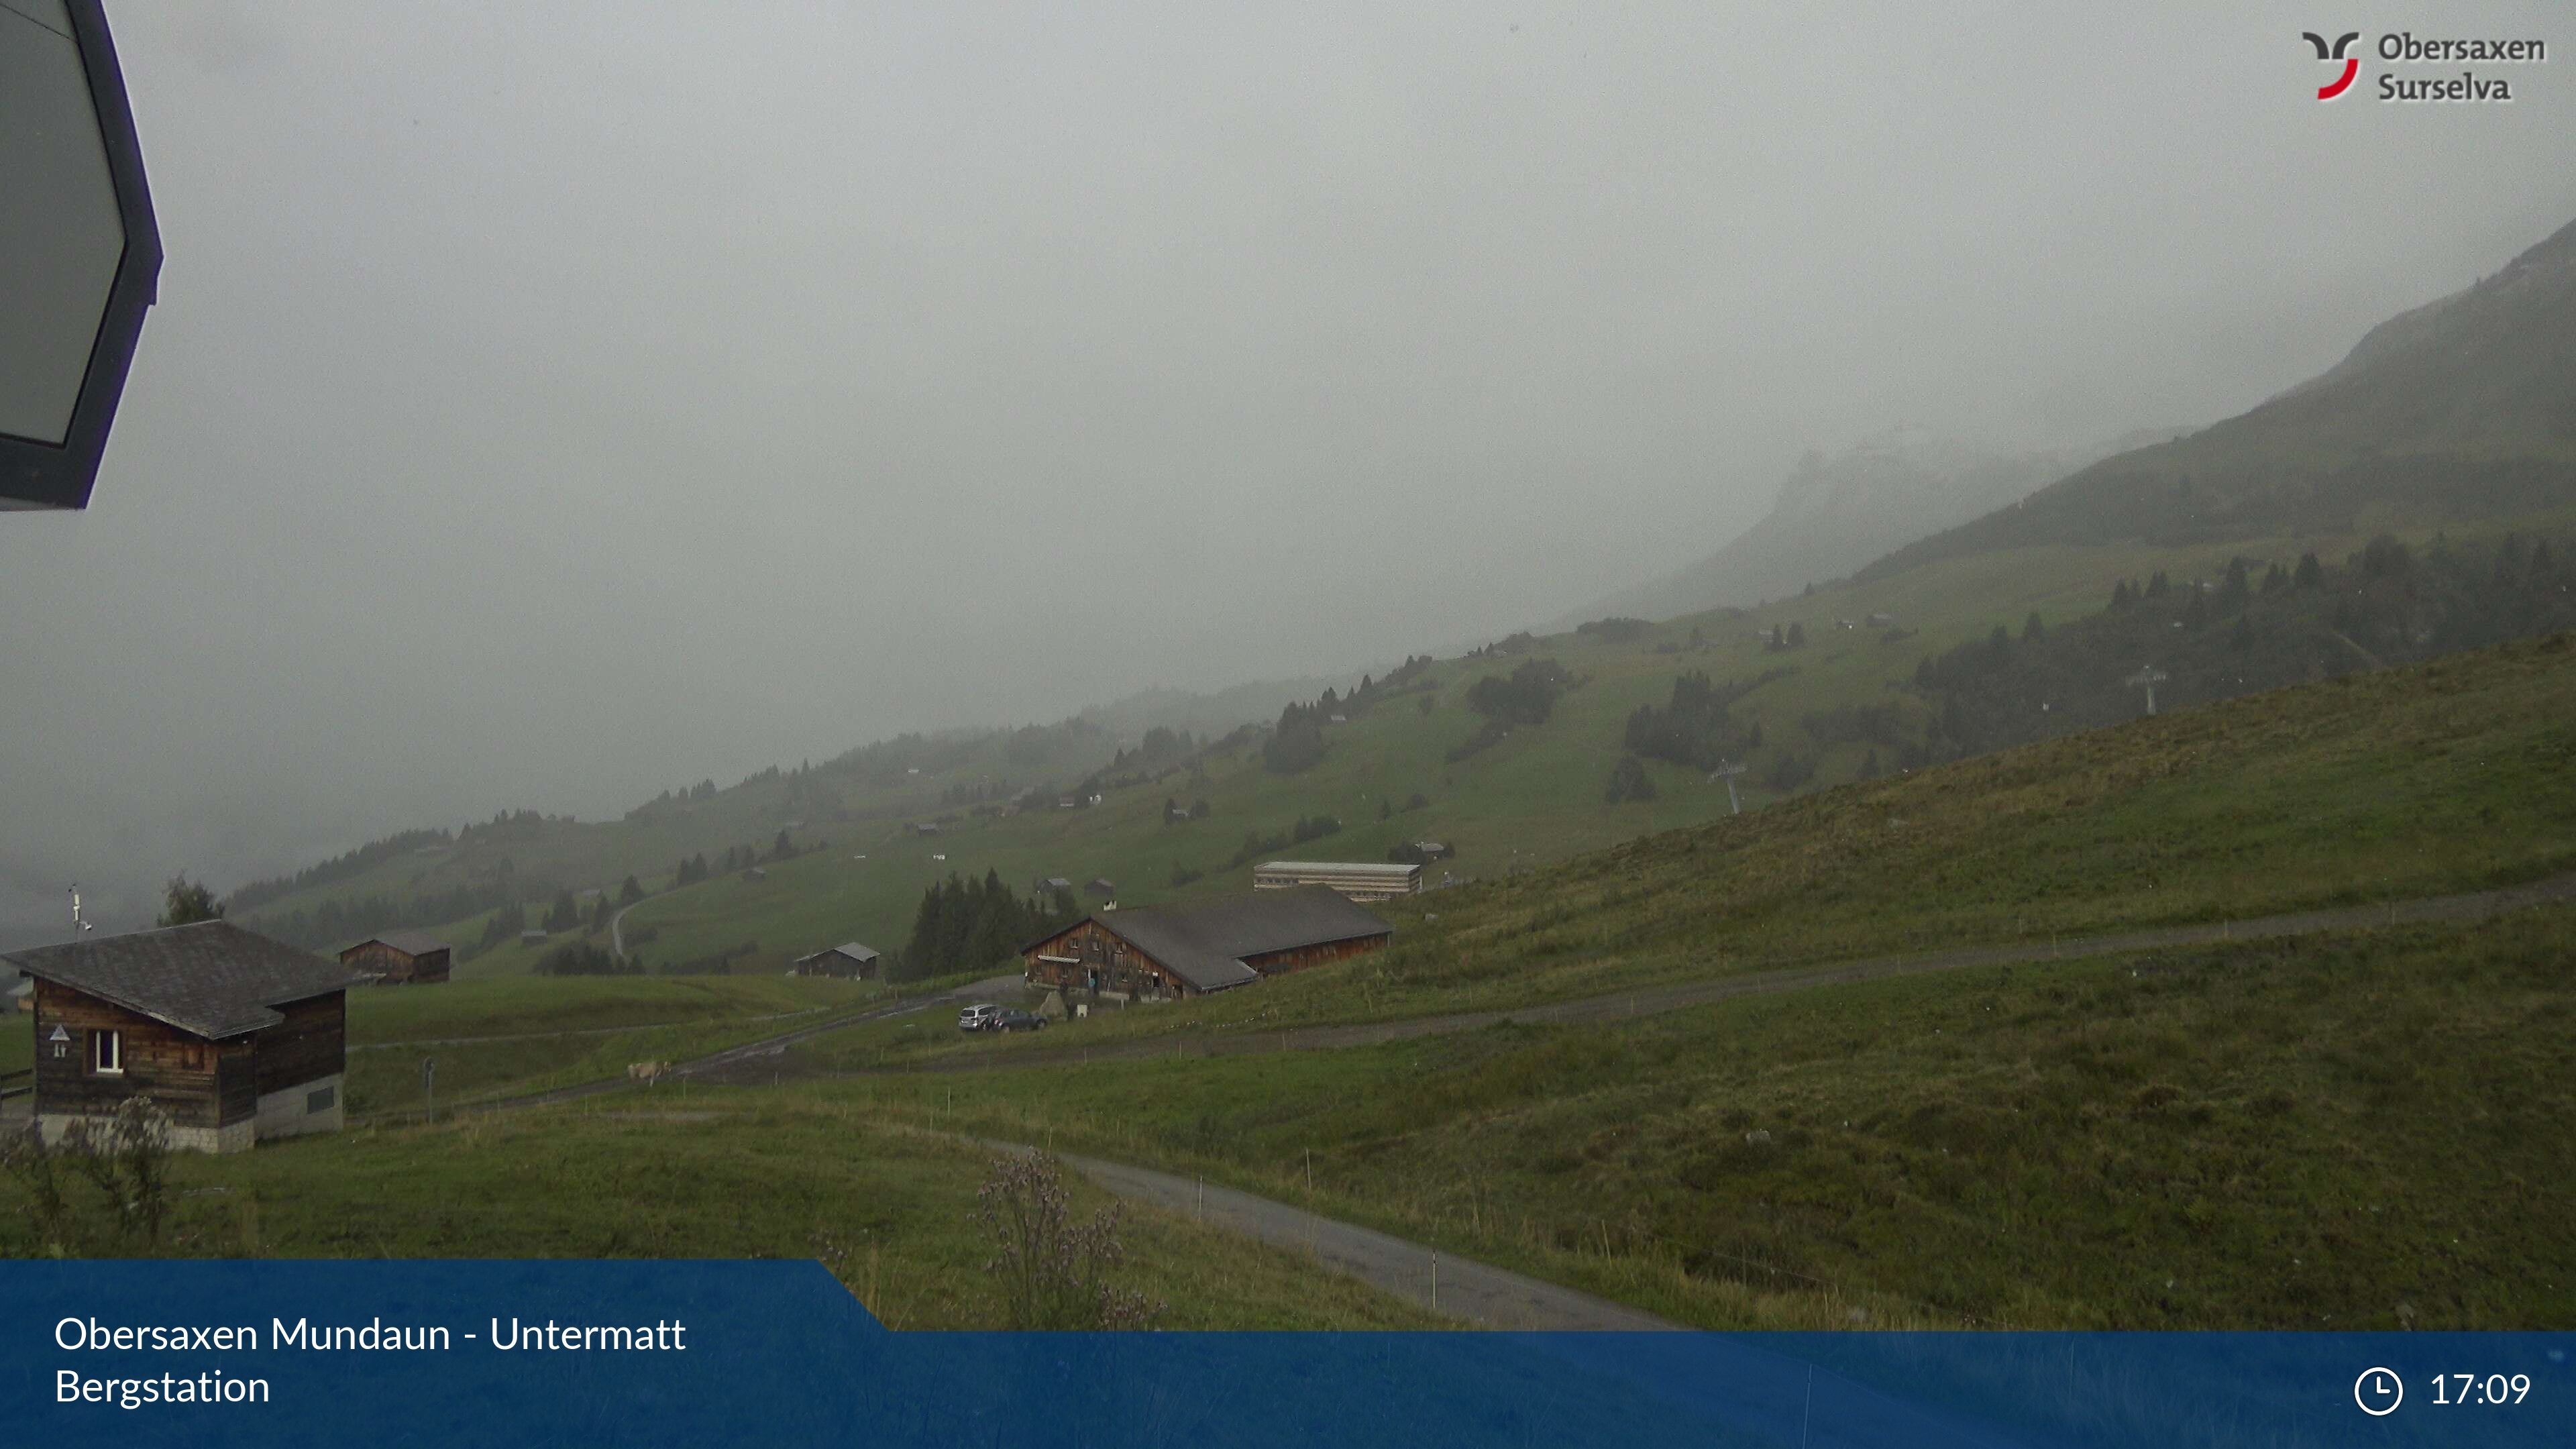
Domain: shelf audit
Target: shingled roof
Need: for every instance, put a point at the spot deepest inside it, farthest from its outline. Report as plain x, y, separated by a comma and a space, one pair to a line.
1206, 944
410, 943
858, 951
212, 979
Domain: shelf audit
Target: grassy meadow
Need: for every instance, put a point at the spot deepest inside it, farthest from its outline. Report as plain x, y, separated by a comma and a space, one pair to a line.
500, 1036
734, 1175
2369, 1130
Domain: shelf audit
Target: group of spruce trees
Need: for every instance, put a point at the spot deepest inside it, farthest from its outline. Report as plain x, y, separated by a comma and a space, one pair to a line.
970, 924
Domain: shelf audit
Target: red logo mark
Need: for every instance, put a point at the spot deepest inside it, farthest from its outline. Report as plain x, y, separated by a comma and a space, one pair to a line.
2351, 64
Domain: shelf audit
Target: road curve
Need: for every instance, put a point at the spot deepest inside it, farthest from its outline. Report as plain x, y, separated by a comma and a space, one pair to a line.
1460, 1288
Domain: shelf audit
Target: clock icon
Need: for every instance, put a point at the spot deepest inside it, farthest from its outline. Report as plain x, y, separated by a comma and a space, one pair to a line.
2378, 1391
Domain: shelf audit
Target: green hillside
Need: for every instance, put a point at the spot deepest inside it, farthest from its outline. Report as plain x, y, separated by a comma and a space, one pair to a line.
2438, 778
2462, 409
1533, 797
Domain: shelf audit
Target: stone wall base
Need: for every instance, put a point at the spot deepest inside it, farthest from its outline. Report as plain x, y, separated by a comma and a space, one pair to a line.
230, 1137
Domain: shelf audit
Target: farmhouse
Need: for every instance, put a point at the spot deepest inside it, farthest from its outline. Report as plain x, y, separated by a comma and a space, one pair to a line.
849, 959
1359, 880
235, 1036
399, 958
1162, 952
1103, 887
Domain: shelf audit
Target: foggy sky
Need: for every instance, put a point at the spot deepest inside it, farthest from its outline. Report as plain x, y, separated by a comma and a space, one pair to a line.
549, 405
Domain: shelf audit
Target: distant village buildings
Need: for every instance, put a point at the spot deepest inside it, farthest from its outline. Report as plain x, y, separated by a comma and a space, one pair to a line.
237, 1037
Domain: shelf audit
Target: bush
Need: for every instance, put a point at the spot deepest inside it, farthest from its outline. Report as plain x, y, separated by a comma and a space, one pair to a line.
1527, 696
1315, 829
1617, 630
1054, 1274
124, 1158
1789, 772
1629, 781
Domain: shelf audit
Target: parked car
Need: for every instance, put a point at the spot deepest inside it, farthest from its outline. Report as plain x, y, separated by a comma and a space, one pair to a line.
978, 1017
1016, 1020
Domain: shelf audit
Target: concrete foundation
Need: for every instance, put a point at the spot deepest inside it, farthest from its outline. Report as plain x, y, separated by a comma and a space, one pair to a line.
319, 1105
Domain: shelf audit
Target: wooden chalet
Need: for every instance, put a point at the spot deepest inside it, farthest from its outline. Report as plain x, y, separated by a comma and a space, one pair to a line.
1161, 952
852, 959
237, 1037
399, 958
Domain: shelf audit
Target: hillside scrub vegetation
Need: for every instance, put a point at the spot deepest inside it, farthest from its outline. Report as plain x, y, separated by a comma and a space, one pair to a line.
2261, 624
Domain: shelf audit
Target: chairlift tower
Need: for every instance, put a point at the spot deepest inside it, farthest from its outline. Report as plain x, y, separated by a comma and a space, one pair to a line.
1728, 772
2147, 678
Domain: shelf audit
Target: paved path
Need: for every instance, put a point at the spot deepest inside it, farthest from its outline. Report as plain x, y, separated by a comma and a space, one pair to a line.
1650, 1001
1461, 1288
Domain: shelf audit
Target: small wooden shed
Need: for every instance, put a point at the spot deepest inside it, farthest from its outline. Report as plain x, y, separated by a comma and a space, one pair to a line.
852, 959
399, 958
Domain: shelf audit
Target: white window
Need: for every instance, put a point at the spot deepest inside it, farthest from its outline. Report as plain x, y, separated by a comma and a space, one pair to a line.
107, 1052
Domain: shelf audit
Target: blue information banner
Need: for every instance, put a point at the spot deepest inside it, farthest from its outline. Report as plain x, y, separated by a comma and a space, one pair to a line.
718, 1353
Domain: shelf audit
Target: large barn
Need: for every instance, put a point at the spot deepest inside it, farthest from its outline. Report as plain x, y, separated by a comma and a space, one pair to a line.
1178, 951
237, 1037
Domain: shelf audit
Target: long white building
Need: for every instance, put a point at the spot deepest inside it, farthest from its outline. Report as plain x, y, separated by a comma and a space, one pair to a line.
1358, 879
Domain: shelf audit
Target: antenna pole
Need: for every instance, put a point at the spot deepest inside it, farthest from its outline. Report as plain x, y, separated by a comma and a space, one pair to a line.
2147, 678
1728, 771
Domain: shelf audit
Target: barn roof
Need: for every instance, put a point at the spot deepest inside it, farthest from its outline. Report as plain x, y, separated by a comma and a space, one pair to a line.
1206, 944
212, 979
410, 943
855, 950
